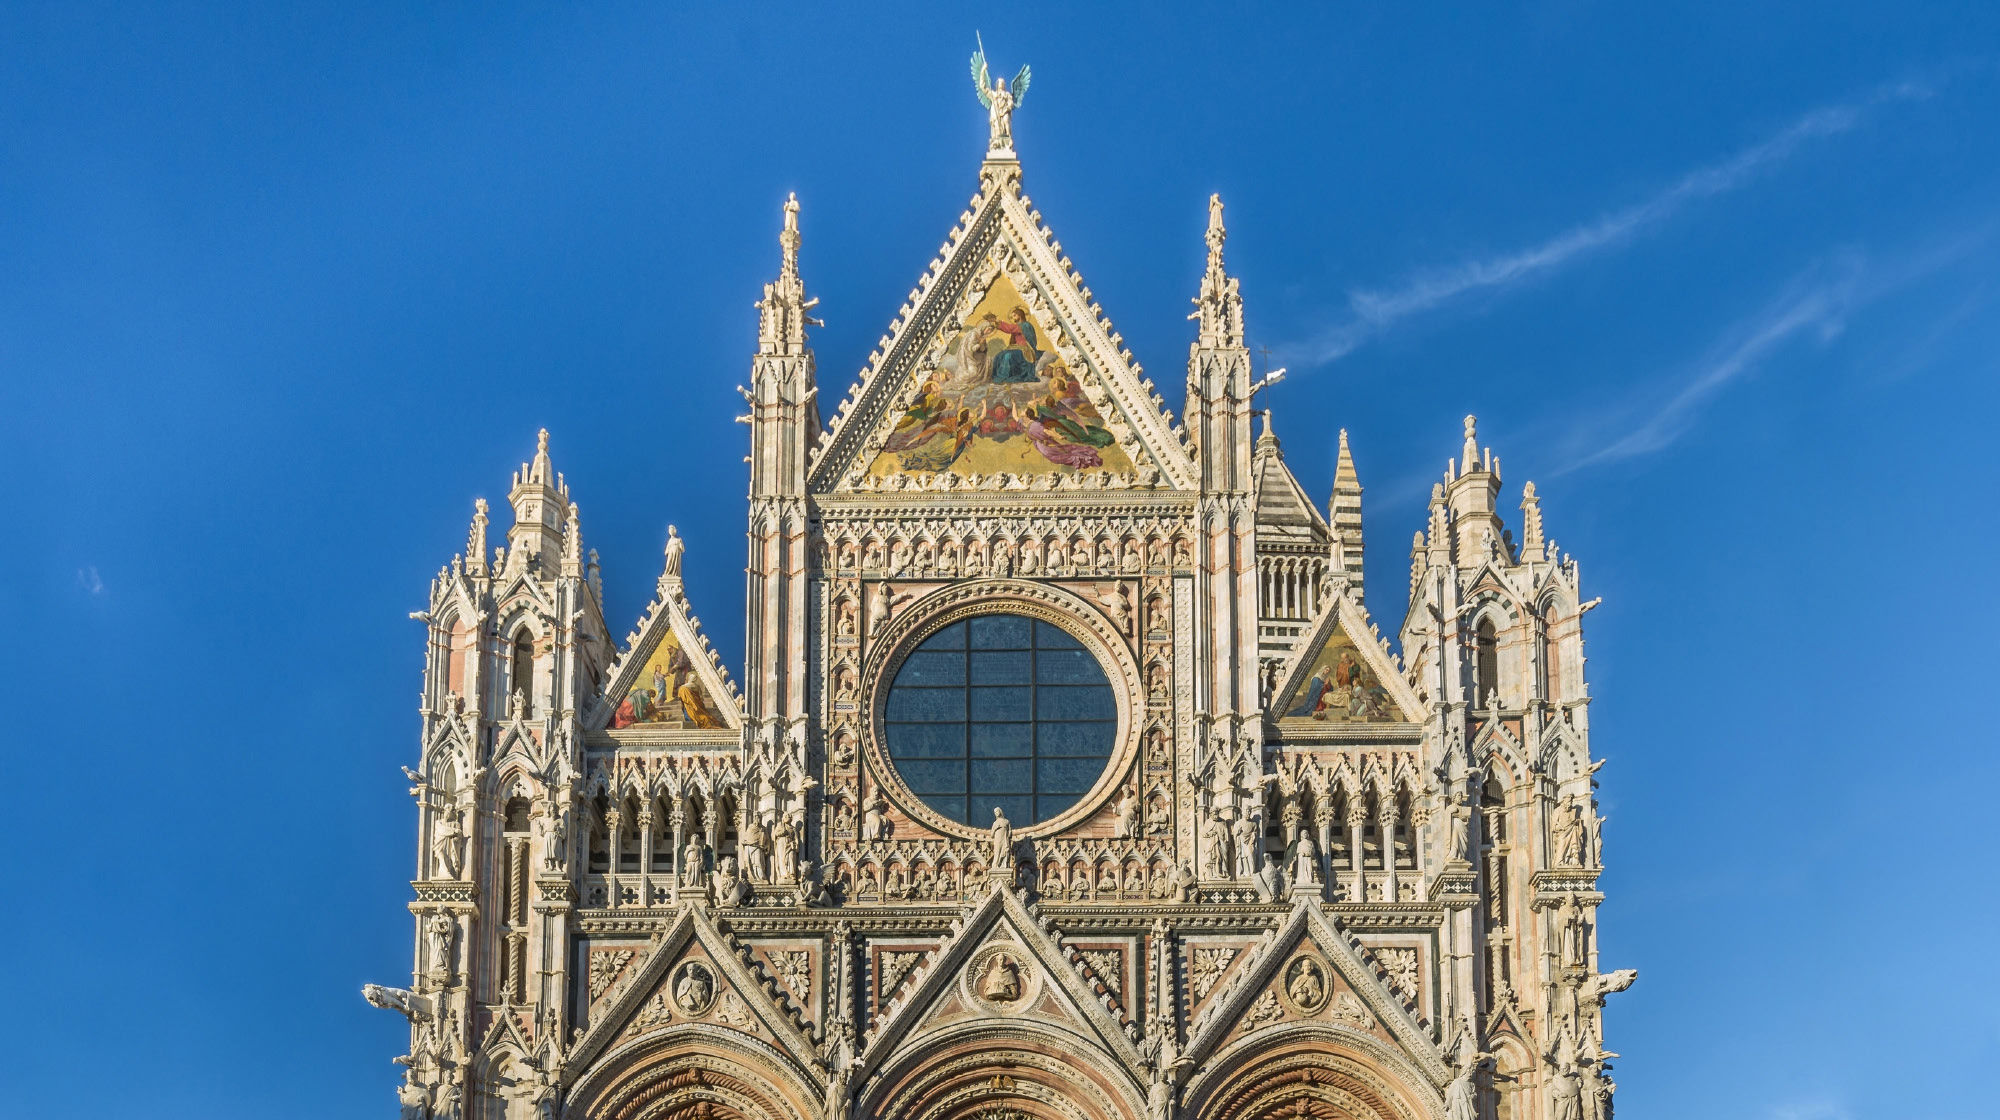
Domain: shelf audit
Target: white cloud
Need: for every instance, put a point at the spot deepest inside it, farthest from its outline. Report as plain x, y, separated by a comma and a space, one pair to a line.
1815, 308
89, 580
1371, 312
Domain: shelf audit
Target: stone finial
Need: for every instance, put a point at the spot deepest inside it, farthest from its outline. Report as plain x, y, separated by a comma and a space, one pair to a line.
1470, 456
475, 539
781, 328
1531, 523
1267, 443
1219, 307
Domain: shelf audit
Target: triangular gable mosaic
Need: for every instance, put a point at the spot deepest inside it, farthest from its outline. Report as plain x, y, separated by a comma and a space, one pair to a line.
1000, 399
668, 679
1001, 374
1338, 680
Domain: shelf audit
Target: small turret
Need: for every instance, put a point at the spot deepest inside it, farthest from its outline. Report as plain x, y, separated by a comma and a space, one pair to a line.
1472, 490
540, 499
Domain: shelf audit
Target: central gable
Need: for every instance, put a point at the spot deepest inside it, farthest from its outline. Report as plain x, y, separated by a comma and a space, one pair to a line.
1001, 373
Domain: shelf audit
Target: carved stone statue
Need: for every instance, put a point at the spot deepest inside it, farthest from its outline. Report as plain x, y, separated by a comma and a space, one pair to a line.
437, 944
1566, 1094
1218, 858
755, 844
1245, 831
785, 843
415, 1101
1125, 822
675, 547
874, 818
729, 887
1569, 835
1305, 861
1002, 841
1001, 98
691, 861
1458, 834
449, 846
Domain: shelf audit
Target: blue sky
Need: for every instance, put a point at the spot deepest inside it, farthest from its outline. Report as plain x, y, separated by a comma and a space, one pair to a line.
284, 288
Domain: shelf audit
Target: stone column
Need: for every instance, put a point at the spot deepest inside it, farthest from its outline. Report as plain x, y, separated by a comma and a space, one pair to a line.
1357, 814
679, 820
1323, 818
1387, 823
646, 854
614, 821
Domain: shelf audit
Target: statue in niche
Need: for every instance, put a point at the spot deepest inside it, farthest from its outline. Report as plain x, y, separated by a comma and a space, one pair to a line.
786, 841
692, 862
555, 845
1569, 837
846, 626
1218, 861
1125, 821
437, 944
1132, 561
1305, 861
899, 555
755, 844
1458, 836
450, 1102
449, 846
874, 818
872, 556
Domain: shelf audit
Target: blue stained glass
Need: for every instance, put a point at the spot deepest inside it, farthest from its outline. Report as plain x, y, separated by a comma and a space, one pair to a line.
1000, 710
931, 705
927, 740
1002, 667
940, 668
1003, 740
1091, 740
1067, 775
1074, 702
999, 631
1003, 776
933, 777
1009, 702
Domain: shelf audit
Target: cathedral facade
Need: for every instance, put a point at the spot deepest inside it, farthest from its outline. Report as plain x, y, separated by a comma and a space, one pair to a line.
1067, 777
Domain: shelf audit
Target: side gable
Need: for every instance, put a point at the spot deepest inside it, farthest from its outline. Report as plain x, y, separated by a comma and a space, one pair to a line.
668, 679
1334, 679
696, 975
1309, 970
1001, 373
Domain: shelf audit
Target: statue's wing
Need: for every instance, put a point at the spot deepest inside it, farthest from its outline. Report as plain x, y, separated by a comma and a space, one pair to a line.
980, 81
1019, 86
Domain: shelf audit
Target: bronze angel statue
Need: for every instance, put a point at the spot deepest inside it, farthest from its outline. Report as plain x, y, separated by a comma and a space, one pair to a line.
1000, 97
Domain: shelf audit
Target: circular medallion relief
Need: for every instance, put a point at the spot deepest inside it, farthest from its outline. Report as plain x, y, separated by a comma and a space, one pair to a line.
998, 978
1306, 985
693, 988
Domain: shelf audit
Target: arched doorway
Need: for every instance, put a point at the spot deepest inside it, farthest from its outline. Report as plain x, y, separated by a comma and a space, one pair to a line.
977, 1071
693, 1077
1309, 1071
